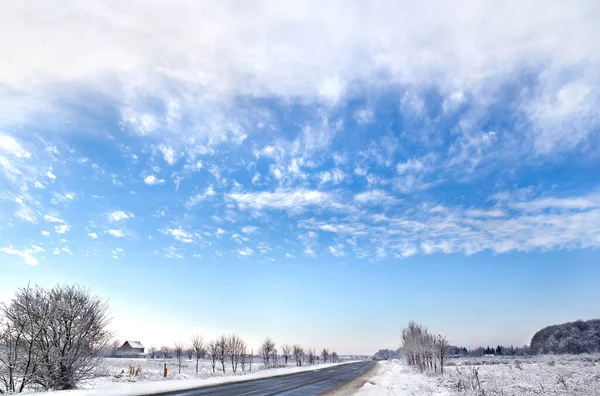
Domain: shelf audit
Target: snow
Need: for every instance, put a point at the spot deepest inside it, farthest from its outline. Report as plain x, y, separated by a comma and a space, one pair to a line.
113, 383
396, 378
572, 375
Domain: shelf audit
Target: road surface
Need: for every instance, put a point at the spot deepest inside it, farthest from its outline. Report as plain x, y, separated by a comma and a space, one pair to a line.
305, 383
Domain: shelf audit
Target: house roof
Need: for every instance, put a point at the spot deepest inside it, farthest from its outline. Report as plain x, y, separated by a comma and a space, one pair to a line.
135, 344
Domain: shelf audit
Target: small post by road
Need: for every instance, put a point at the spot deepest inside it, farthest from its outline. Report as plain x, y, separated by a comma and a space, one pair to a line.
165, 371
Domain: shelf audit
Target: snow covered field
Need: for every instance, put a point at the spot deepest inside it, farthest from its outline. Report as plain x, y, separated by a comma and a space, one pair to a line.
114, 378
507, 376
573, 375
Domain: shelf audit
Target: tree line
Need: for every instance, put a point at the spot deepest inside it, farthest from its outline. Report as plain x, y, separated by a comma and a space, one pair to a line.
497, 351
572, 337
423, 349
233, 351
53, 339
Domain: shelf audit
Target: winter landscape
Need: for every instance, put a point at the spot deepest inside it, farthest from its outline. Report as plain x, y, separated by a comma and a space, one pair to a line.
259, 197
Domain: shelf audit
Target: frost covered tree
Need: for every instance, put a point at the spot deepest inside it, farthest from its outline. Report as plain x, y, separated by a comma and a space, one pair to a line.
243, 354
222, 351
213, 353
298, 354
422, 349
334, 357
53, 338
234, 346
179, 350
165, 350
197, 348
286, 350
311, 356
325, 354
266, 351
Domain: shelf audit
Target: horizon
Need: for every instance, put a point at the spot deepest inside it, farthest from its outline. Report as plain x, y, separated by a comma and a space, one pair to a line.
320, 174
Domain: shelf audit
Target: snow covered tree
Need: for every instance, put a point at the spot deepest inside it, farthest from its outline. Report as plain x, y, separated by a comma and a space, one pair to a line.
54, 338
325, 354
266, 351
179, 353
222, 351
213, 353
234, 346
286, 350
298, 354
197, 348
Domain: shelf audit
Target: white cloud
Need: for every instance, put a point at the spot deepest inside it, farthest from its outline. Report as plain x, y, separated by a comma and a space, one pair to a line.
168, 154
364, 116
50, 175
220, 232
337, 250
335, 176
119, 215
412, 165
116, 233
196, 199
26, 214
62, 228
92, 235
53, 219
9, 145
250, 229
377, 197
291, 200
246, 252
26, 254
152, 180
45, 233
180, 235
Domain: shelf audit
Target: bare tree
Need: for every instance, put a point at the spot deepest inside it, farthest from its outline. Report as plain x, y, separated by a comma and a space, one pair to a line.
179, 351
311, 356
325, 354
114, 347
54, 338
251, 358
422, 349
266, 351
298, 354
443, 345
165, 350
222, 351
197, 347
152, 352
243, 354
213, 352
334, 357
286, 351
234, 344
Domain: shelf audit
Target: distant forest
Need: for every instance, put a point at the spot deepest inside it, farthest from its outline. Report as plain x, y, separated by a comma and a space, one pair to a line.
573, 337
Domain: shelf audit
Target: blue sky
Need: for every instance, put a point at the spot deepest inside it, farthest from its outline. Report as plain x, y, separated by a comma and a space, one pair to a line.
319, 174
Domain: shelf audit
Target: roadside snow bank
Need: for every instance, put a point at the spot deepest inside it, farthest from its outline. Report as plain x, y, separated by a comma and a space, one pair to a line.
396, 378
150, 387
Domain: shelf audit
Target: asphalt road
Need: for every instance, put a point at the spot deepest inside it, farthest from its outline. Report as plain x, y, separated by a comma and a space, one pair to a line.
305, 383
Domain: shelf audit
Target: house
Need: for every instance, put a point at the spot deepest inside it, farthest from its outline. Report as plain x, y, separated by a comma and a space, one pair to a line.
131, 348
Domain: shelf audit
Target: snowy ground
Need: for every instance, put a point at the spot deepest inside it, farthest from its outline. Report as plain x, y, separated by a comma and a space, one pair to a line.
506, 376
394, 377
540, 375
115, 378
